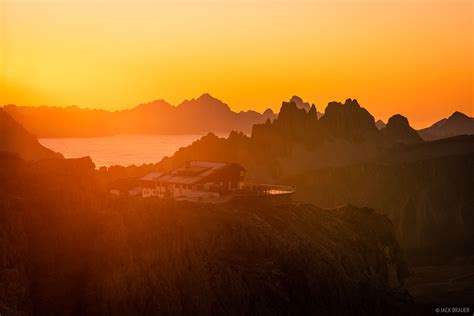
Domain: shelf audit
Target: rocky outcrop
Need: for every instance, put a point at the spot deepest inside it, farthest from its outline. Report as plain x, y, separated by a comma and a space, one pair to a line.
67, 249
247, 259
15, 139
348, 121
457, 124
398, 130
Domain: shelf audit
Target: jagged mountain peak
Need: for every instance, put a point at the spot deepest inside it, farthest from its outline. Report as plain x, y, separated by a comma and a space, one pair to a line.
398, 130
397, 119
313, 111
458, 115
205, 101
348, 120
207, 97
159, 103
347, 110
352, 102
290, 107
300, 104
349, 104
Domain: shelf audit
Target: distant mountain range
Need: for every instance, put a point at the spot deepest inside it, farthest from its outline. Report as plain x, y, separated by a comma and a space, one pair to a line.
457, 124
194, 116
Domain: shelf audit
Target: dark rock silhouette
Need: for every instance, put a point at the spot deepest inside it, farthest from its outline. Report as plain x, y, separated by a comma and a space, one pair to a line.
344, 126
457, 124
348, 121
398, 130
14, 139
73, 250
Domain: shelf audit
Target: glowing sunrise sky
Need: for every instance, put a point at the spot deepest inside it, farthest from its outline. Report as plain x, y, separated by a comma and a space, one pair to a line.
413, 57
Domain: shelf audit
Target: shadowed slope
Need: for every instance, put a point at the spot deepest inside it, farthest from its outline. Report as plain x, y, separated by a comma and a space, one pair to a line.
148, 256
15, 139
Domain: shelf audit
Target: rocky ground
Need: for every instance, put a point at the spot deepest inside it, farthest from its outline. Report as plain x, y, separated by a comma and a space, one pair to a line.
66, 249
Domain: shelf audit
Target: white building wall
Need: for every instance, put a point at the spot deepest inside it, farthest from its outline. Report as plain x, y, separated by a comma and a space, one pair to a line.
179, 191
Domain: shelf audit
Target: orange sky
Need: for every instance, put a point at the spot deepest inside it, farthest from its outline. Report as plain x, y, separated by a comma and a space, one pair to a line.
413, 57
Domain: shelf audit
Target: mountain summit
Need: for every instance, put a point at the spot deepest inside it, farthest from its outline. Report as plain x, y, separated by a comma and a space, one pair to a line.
348, 120
300, 104
205, 102
399, 130
457, 124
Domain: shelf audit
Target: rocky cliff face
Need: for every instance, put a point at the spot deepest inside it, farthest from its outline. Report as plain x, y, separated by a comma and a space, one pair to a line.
46, 208
67, 249
428, 200
247, 259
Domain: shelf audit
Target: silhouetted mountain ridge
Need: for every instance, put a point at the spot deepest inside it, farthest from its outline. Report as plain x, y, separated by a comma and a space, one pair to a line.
194, 116
297, 140
16, 141
391, 169
456, 124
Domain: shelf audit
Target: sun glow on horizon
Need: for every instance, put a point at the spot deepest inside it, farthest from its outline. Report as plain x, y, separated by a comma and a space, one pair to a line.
409, 57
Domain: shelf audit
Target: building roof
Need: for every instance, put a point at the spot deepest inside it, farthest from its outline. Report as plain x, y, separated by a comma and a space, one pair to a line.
152, 176
192, 172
